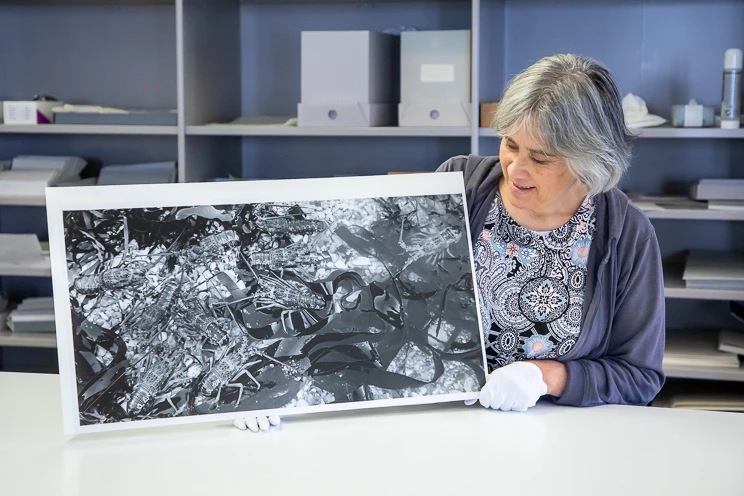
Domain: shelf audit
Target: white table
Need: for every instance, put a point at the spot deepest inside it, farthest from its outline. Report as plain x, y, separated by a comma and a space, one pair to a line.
443, 449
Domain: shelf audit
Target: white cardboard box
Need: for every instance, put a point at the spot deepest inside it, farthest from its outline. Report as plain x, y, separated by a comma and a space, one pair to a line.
435, 66
346, 115
29, 112
435, 78
434, 114
348, 78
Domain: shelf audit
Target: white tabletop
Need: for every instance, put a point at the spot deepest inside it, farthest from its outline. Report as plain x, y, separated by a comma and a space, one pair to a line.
442, 449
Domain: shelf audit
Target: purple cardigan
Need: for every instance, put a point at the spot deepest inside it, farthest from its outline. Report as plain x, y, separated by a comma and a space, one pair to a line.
618, 354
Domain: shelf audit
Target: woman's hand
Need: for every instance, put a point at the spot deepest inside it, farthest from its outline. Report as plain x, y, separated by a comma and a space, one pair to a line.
516, 386
254, 424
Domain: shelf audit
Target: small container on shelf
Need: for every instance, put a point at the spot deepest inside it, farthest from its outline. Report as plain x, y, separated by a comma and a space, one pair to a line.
693, 115
435, 78
348, 79
29, 112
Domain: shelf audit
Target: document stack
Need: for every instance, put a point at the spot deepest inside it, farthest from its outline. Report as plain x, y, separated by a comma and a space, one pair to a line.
22, 254
149, 173
711, 269
694, 349
731, 342
33, 315
716, 352
722, 194
666, 202
30, 174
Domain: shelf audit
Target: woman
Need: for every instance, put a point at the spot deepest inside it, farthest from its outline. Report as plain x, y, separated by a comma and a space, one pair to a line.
568, 272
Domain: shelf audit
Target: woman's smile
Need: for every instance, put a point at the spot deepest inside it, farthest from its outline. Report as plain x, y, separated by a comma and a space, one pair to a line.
521, 190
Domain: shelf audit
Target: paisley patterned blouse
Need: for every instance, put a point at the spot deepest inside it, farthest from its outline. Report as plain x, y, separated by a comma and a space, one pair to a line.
531, 285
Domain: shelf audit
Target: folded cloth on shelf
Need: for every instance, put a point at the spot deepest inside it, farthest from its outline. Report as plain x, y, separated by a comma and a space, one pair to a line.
636, 113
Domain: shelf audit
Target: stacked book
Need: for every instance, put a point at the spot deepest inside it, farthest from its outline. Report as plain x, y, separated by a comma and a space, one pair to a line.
149, 173
33, 315
29, 175
712, 269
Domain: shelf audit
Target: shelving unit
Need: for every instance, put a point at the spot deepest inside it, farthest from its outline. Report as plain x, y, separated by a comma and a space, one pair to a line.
217, 60
115, 53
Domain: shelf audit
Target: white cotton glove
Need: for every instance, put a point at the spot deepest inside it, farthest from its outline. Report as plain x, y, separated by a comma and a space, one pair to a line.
516, 386
254, 424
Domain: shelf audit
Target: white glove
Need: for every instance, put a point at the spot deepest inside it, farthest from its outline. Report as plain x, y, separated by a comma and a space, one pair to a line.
516, 386
254, 424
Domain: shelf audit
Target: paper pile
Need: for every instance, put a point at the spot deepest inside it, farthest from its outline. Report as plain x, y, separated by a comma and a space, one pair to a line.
713, 269
30, 174
22, 253
695, 348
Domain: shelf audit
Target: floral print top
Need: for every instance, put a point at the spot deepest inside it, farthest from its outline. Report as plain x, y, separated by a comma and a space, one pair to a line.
531, 285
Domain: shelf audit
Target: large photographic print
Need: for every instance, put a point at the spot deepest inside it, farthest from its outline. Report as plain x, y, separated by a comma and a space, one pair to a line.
193, 310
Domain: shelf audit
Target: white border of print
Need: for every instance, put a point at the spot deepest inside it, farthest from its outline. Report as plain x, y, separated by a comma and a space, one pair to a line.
63, 199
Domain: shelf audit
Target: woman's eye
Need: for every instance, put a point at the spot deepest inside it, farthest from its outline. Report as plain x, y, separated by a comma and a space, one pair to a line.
511, 147
539, 162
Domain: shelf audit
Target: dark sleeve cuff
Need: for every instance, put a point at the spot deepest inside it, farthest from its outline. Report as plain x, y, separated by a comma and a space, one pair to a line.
573, 395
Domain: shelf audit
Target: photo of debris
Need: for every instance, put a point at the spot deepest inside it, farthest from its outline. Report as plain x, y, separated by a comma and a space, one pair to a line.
196, 310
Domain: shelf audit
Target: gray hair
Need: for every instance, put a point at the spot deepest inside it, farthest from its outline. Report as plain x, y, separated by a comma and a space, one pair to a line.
571, 105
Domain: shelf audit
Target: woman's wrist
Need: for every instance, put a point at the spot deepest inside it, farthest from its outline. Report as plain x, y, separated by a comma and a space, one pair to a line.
555, 375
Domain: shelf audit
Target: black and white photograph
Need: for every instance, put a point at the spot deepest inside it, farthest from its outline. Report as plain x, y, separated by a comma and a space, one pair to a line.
212, 309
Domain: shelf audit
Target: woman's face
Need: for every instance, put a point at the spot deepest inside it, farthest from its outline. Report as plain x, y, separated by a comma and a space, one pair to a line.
535, 181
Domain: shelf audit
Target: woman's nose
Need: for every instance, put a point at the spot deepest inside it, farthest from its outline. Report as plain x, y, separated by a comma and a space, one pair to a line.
518, 166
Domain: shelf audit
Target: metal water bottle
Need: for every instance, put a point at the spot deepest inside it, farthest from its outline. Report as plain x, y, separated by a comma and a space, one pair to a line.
731, 100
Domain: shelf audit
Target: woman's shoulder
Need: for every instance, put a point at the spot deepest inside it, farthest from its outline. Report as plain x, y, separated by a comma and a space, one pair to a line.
479, 173
468, 163
630, 223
